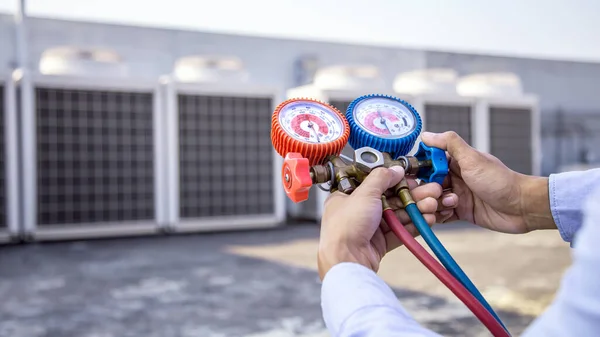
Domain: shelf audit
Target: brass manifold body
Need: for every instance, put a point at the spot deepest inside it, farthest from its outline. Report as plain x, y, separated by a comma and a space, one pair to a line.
345, 176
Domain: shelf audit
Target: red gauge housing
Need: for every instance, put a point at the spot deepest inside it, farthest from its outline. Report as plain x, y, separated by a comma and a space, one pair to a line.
316, 153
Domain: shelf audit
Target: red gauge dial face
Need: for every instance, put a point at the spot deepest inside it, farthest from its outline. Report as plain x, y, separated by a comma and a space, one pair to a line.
311, 122
384, 117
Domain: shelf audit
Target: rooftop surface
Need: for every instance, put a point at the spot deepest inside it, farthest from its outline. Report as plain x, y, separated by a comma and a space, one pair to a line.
252, 283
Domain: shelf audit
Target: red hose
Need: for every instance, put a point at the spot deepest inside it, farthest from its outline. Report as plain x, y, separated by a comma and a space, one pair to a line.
443, 275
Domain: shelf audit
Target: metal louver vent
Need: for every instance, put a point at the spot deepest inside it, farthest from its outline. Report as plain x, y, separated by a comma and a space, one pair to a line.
2, 162
225, 154
343, 106
441, 118
510, 138
94, 156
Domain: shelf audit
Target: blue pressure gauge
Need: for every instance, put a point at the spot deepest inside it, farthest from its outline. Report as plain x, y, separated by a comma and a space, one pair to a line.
385, 123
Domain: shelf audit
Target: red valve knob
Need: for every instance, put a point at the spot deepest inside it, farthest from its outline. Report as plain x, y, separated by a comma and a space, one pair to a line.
295, 175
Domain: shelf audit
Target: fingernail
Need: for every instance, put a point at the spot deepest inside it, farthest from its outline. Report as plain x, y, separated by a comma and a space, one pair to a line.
398, 169
448, 201
427, 134
446, 212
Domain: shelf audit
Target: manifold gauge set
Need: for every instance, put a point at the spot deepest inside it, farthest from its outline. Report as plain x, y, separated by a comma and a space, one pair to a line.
382, 130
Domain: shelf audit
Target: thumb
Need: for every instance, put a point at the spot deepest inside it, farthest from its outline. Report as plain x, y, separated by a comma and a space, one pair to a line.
451, 142
378, 181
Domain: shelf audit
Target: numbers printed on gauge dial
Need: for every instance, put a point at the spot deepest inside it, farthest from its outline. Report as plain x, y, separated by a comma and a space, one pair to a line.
310, 122
384, 117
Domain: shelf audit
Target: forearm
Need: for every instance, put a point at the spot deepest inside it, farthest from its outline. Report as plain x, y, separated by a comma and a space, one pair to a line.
536, 203
333, 253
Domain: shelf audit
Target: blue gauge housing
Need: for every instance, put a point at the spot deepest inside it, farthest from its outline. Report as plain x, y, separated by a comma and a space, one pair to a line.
395, 146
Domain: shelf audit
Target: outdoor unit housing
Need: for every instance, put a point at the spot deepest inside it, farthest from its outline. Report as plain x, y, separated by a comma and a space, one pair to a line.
223, 172
432, 92
9, 188
338, 86
511, 119
91, 155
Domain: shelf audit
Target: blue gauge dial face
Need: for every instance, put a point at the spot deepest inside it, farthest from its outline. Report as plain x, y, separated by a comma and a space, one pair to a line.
384, 117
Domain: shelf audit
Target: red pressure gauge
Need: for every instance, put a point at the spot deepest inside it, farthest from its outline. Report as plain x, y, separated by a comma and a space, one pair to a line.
305, 132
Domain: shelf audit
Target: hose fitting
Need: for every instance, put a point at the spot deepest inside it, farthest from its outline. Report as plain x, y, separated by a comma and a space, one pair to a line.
401, 190
384, 203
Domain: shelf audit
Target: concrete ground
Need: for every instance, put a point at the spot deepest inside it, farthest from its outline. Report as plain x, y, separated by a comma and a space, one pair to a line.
253, 283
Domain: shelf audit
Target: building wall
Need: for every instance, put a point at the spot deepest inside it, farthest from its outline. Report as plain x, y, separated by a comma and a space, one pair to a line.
7, 44
151, 52
570, 85
569, 101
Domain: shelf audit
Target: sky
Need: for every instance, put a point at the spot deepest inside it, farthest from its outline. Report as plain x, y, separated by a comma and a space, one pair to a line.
553, 29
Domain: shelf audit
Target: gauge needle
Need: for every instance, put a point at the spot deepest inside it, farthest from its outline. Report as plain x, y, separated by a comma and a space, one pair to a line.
311, 126
383, 121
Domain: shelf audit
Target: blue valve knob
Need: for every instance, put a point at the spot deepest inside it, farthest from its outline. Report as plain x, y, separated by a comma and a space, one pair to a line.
439, 164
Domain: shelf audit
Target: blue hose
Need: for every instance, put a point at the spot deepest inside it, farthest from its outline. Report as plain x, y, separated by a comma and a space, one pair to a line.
445, 258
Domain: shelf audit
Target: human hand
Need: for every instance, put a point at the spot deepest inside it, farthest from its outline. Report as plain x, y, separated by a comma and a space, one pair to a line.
489, 194
352, 229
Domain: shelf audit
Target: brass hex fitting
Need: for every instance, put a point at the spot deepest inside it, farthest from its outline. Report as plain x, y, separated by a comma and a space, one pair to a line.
367, 159
346, 176
346, 185
388, 161
320, 174
345, 170
411, 165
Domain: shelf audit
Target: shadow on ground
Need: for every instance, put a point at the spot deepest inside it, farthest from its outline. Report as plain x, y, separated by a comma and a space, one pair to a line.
181, 286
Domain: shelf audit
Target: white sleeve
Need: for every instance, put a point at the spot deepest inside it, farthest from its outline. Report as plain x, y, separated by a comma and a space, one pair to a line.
357, 303
576, 308
568, 192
